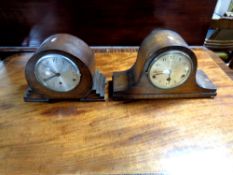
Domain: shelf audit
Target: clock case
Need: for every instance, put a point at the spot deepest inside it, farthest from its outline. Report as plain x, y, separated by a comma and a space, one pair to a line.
92, 83
135, 84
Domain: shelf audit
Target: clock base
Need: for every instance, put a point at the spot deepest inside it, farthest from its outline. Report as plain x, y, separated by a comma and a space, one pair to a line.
97, 93
120, 89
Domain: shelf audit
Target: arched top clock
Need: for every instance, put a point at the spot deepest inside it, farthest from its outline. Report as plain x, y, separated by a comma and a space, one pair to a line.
165, 68
63, 68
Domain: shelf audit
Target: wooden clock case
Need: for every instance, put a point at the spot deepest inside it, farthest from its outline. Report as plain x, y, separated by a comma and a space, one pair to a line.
92, 82
135, 84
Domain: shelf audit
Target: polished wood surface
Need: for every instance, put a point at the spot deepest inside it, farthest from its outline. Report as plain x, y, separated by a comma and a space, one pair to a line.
185, 136
102, 22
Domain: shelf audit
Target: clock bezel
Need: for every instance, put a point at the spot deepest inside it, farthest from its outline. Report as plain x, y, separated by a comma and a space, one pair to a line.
49, 56
81, 90
158, 57
158, 52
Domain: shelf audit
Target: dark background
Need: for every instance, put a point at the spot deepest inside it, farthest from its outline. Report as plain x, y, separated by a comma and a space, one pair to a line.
102, 22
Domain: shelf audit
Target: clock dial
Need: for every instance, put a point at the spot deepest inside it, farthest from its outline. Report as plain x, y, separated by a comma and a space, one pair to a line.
170, 69
57, 72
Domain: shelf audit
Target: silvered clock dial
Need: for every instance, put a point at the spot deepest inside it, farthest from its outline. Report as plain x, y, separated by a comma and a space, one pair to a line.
57, 72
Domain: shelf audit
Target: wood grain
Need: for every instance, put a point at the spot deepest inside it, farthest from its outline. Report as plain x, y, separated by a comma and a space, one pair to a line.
186, 136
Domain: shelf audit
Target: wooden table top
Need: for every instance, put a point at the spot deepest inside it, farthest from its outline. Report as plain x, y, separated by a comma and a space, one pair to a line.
175, 137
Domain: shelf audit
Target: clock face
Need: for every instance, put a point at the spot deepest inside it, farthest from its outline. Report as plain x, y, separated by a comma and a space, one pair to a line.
170, 69
57, 72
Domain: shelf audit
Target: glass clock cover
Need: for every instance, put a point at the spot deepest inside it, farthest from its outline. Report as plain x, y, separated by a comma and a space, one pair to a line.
57, 72
170, 69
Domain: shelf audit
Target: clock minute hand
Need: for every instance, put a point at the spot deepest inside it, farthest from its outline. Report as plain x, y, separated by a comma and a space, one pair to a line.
52, 71
49, 78
154, 74
157, 73
168, 72
169, 75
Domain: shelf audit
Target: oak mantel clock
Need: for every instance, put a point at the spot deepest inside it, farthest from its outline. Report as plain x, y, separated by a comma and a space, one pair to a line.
165, 68
63, 68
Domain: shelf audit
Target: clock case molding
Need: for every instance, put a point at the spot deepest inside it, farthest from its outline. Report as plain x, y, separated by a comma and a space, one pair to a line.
135, 84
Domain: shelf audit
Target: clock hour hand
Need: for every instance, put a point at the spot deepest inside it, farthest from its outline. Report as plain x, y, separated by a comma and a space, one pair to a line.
49, 78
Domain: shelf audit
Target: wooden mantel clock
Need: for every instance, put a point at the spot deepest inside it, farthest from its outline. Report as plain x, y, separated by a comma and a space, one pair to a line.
63, 68
165, 68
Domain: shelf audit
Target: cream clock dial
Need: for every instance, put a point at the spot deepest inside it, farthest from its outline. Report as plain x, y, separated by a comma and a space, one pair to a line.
170, 69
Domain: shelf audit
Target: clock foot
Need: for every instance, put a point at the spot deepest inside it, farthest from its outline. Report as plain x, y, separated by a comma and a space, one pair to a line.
97, 93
